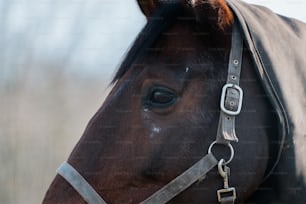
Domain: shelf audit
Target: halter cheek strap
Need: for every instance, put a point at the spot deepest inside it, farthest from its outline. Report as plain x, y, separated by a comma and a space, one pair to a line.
231, 102
232, 94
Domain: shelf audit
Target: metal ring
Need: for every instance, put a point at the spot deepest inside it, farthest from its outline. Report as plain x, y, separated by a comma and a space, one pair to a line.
228, 145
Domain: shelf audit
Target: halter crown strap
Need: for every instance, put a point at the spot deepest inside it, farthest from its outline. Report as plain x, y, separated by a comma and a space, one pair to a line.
74, 178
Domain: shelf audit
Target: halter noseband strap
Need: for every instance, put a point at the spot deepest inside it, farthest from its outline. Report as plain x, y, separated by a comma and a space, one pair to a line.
231, 101
74, 178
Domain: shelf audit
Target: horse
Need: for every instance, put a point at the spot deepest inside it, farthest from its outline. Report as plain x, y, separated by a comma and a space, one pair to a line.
162, 116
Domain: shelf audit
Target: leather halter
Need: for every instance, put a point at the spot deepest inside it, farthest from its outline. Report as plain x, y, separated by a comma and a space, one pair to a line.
230, 104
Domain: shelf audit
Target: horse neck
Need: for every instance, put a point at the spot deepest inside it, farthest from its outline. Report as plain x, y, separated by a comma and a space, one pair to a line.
292, 187
284, 185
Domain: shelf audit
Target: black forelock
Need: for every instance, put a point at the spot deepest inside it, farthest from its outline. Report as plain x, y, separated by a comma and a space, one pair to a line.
156, 24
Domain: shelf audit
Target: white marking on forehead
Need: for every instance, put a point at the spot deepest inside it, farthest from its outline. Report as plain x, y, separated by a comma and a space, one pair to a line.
155, 130
187, 69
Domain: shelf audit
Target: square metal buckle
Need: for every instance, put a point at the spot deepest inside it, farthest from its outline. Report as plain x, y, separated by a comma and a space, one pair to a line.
227, 195
223, 96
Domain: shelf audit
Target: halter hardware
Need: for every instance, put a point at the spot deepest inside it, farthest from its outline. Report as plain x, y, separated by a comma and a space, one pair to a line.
229, 146
231, 99
226, 195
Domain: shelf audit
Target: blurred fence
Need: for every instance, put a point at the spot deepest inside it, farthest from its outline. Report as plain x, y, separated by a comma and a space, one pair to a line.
41, 120
56, 60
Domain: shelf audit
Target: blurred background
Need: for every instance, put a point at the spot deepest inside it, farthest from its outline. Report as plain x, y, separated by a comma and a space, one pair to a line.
57, 58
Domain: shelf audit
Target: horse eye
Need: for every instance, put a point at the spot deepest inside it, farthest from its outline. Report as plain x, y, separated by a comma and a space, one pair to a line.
160, 97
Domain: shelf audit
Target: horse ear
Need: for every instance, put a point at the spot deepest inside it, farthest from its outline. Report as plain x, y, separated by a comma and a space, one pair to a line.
216, 12
148, 6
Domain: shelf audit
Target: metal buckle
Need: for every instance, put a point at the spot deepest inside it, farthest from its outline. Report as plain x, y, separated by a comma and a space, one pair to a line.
223, 96
227, 195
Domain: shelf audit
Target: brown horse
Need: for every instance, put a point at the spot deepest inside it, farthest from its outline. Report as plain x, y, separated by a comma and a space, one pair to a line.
163, 114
